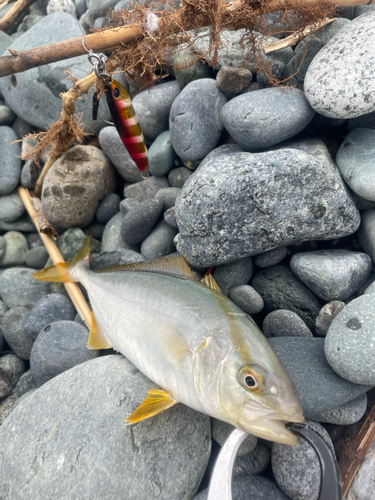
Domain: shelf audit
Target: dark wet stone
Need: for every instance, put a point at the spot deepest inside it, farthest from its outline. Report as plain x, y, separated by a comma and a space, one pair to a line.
26, 383
234, 274
270, 258
178, 176
147, 189
284, 323
108, 207
138, 222
14, 332
159, 242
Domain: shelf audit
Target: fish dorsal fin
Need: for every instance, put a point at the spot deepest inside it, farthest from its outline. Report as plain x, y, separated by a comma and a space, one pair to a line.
211, 283
157, 400
173, 265
97, 339
172, 343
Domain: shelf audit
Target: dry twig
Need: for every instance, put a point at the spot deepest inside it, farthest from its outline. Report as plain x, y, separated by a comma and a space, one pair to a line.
14, 13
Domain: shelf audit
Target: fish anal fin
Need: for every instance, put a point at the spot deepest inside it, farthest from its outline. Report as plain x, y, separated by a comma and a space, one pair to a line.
173, 343
157, 400
210, 282
174, 265
97, 339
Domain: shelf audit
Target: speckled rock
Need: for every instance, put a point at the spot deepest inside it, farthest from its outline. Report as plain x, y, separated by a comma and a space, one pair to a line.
221, 431
319, 388
326, 315
14, 332
339, 81
13, 367
366, 233
188, 68
240, 204
5, 385
16, 249
138, 223
194, 122
297, 468
11, 207
170, 217
252, 487
167, 196
159, 242
147, 189
153, 106
111, 239
233, 79
19, 288
247, 299
116, 258
53, 307
114, 149
75, 184
355, 159
58, 347
254, 462
349, 339
234, 274
10, 168
161, 155
257, 120
332, 274
37, 257
26, 383
149, 446
347, 414
178, 176
270, 258
128, 204
6, 405
284, 323
108, 207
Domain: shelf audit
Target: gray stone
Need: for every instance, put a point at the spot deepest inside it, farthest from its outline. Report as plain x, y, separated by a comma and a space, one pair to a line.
251, 487
194, 122
363, 121
58, 347
233, 79
161, 155
349, 339
257, 120
366, 233
11, 207
16, 249
23, 224
147, 189
332, 274
355, 160
108, 207
116, 258
74, 431
21, 398
362, 488
3, 310
231, 275
326, 315
297, 468
347, 414
319, 388
6, 405
254, 462
253, 87
221, 431
188, 67
178, 176
26, 383
339, 81
19, 288
152, 107
167, 196
114, 149
362, 9
111, 239
3, 244
138, 223
14, 333
61, 6
280, 289
10, 168
361, 203
170, 217
271, 257
51, 308
13, 367
240, 204
7, 116
75, 184
247, 299
128, 204
5, 40
5, 385
37, 257
159, 242
1, 340
29, 175
34, 95
284, 323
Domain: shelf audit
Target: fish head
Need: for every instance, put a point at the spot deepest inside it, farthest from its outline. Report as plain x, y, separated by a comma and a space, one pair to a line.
119, 93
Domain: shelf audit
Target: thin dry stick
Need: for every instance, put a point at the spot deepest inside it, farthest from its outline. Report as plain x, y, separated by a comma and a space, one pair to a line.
295, 37
14, 13
355, 451
72, 288
44, 226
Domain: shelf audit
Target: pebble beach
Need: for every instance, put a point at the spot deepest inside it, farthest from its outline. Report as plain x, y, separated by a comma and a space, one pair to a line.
272, 187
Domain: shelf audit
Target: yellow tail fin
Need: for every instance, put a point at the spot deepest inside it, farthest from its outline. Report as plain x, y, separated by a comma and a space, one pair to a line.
60, 272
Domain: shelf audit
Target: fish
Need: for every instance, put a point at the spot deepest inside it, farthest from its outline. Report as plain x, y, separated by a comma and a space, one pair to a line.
189, 339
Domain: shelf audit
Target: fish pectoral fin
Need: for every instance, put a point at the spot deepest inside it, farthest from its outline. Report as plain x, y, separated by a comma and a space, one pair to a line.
97, 338
210, 282
173, 343
157, 401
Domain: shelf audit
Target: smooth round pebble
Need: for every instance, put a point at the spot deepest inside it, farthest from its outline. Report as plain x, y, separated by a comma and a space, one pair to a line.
116, 258
159, 242
271, 257
57, 348
178, 176
145, 189
221, 431
231, 275
187, 68
128, 204
14, 333
11, 162
233, 80
29, 174
161, 155
138, 223
167, 196
34, 240
13, 367
26, 383
366, 233
251, 488
51, 308
347, 414
248, 299
170, 217
111, 239
37, 257
15, 249
326, 315
254, 462
284, 323
11, 207
108, 207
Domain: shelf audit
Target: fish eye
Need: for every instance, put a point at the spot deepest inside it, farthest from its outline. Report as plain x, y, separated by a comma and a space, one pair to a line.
251, 378
116, 93
250, 381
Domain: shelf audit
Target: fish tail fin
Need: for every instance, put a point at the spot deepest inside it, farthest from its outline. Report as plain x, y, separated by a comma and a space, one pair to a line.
62, 271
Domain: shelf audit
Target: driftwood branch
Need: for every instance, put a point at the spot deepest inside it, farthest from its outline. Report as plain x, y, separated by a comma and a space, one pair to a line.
14, 13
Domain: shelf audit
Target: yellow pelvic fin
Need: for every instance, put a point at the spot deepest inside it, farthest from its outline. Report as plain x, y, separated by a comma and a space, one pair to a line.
97, 339
172, 343
157, 401
60, 272
211, 283
174, 265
